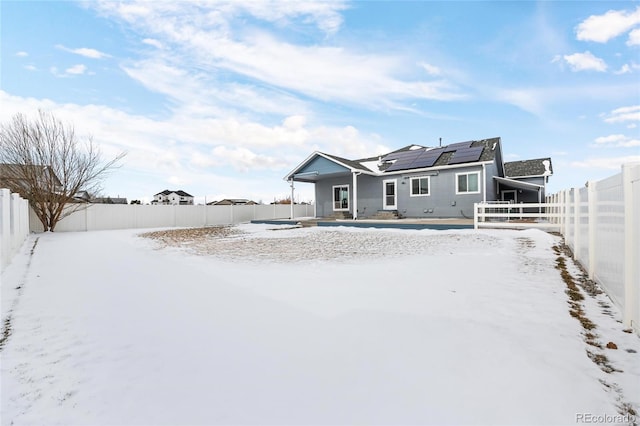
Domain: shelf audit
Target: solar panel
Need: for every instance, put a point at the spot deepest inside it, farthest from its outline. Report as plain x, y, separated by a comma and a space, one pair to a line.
457, 146
399, 166
427, 159
402, 154
466, 155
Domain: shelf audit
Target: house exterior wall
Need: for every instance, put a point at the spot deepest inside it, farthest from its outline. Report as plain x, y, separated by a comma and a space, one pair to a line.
528, 196
324, 194
442, 201
173, 199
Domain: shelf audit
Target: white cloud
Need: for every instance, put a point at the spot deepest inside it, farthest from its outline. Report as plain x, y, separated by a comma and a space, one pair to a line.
153, 42
214, 36
613, 163
188, 146
201, 94
625, 69
623, 114
531, 100
618, 140
78, 69
244, 159
585, 61
430, 69
178, 181
22, 54
634, 38
602, 28
84, 51
30, 68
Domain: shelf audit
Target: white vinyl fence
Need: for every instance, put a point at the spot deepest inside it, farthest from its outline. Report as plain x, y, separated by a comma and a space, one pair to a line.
14, 224
97, 217
503, 214
601, 225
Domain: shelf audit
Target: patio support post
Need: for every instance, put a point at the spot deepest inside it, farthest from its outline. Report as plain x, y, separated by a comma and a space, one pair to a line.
355, 195
292, 194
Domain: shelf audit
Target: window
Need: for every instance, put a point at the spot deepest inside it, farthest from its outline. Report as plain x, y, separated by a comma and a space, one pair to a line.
468, 183
419, 186
341, 197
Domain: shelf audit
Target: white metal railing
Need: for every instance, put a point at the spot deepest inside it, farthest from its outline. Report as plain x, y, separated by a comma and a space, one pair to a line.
511, 215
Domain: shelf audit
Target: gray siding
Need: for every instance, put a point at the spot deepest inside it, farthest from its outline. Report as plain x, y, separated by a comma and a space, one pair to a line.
525, 196
492, 186
442, 201
324, 194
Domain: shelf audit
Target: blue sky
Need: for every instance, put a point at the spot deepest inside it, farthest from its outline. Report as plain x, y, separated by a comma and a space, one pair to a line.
222, 99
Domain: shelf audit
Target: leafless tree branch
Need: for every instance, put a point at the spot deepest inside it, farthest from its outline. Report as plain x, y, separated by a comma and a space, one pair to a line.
44, 161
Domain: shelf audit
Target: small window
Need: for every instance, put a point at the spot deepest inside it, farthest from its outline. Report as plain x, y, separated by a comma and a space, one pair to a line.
468, 183
419, 186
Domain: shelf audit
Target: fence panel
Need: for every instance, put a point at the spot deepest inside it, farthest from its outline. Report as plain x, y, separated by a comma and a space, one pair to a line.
601, 225
96, 217
582, 228
14, 225
609, 237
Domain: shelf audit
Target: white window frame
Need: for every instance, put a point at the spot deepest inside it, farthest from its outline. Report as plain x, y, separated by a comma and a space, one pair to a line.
428, 178
333, 200
458, 192
395, 194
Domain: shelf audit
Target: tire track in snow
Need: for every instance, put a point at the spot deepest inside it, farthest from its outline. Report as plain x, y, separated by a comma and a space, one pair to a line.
6, 323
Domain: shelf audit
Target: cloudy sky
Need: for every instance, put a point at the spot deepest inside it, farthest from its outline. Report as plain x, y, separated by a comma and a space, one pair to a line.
223, 99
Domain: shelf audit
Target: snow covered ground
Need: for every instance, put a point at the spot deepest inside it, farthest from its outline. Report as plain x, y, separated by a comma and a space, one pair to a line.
304, 326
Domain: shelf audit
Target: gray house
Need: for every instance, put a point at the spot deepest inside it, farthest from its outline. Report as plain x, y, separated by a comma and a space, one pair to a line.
417, 181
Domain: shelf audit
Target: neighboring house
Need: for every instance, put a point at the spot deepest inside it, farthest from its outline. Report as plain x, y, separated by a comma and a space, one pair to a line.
109, 200
18, 177
232, 202
178, 197
418, 181
82, 197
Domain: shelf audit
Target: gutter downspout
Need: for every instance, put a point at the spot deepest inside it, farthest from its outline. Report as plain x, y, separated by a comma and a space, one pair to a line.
484, 183
355, 195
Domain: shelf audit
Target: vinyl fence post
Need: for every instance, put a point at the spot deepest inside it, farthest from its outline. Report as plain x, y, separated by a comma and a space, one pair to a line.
475, 215
576, 222
592, 217
5, 230
565, 213
631, 253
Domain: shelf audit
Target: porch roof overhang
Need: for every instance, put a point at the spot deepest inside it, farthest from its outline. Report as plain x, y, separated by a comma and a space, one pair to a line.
512, 183
321, 166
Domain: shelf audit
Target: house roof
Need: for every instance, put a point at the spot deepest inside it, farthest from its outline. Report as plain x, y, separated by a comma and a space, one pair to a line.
518, 184
109, 200
528, 168
410, 157
23, 171
232, 201
179, 192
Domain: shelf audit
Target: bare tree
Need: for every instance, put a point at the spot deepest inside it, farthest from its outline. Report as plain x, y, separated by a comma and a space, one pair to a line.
44, 161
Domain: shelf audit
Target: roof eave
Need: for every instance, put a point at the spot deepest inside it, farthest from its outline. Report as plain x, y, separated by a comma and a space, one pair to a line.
444, 167
292, 173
